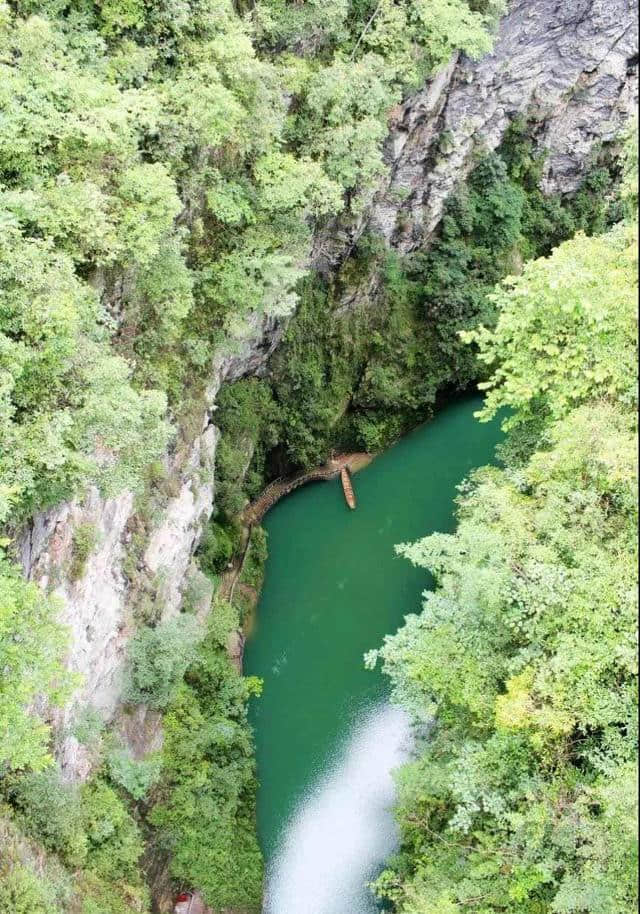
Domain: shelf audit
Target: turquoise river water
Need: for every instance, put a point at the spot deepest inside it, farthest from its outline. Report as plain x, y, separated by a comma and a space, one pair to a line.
326, 736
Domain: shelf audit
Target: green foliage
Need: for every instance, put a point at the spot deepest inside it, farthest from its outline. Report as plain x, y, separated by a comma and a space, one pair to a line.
403, 370
108, 241
88, 727
136, 776
217, 546
313, 25
84, 541
549, 220
52, 812
91, 832
255, 558
370, 54
114, 845
160, 182
566, 331
32, 646
68, 413
149, 206
198, 590
359, 380
314, 370
520, 798
31, 882
22, 892
249, 421
629, 187
343, 119
206, 813
224, 620
286, 183
158, 658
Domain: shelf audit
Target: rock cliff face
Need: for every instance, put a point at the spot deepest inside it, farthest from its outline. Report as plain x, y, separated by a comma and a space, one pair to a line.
99, 605
569, 65
572, 66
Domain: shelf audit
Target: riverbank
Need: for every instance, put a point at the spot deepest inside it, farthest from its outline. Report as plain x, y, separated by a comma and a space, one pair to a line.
230, 581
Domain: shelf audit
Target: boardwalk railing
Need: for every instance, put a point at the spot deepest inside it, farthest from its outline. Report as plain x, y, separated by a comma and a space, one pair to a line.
254, 512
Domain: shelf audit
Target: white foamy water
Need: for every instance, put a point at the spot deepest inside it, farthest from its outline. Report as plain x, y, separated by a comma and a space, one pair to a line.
343, 831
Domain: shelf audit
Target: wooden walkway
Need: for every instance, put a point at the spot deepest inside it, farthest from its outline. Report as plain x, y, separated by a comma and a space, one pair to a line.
254, 512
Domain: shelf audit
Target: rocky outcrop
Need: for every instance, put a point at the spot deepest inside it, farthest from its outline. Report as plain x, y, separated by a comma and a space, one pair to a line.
90, 604
98, 599
171, 543
571, 66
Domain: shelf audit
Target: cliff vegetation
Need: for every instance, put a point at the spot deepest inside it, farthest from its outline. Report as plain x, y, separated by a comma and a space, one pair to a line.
522, 666
164, 170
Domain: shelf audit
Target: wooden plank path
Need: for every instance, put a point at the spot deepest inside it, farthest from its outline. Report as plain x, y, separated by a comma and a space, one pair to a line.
254, 512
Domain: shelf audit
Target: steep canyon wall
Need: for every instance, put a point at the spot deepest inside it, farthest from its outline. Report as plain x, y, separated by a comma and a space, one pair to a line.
570, 66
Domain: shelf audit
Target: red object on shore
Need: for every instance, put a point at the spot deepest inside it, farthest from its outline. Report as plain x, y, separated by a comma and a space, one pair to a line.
190, 903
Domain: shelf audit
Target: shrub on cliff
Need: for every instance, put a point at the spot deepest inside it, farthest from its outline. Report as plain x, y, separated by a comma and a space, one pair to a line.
83, 830
136, 776
206, 810
158, 658
32, 646
216, 548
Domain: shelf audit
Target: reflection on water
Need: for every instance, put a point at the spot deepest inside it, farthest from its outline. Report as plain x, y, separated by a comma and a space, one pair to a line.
343, 830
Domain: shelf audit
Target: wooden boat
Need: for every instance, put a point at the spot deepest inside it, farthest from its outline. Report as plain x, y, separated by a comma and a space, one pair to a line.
347, 487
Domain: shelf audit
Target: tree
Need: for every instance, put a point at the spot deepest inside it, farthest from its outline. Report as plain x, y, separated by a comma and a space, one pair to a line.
523, 660
158, 658
566, 331
32, 646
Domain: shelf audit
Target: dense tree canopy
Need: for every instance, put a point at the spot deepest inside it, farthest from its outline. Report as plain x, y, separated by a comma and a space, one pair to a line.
163, 168
522, 796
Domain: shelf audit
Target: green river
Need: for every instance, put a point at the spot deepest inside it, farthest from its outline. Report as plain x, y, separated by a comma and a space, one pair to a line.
326, 737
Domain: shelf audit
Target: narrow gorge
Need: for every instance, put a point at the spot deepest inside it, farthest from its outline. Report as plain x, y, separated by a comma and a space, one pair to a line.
326, 736
238, 239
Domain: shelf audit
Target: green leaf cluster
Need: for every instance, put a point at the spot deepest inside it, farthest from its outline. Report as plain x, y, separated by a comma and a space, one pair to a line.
576, 312
523, 661
158, 658
32, 646
348, 63
206, 810
136, 776
90, 831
